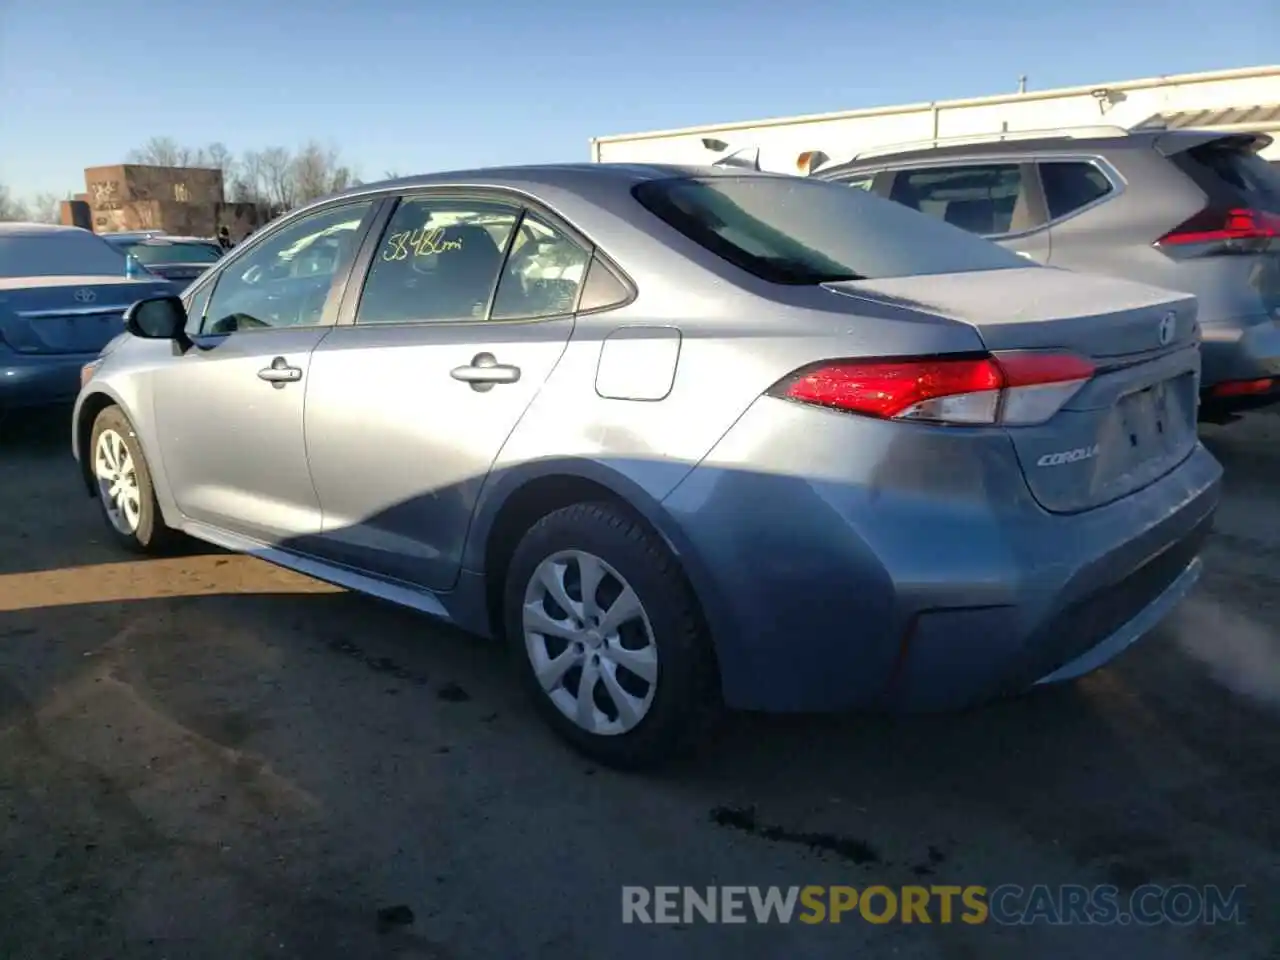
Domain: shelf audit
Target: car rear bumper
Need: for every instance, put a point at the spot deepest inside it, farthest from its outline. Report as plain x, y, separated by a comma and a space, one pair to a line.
35, 380
1055, 644
838, 572
1240, 352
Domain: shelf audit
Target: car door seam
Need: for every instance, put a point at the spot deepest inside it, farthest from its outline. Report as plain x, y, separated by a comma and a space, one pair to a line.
306, 434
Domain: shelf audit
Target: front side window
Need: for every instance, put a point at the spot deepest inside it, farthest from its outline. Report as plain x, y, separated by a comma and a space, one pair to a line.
987, 199
793, 230
196, 307
58, 253
1070, 185
438, 259
284, 280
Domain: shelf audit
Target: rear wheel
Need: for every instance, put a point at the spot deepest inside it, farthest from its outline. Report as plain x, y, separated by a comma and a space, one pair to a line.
608, 637
124, 487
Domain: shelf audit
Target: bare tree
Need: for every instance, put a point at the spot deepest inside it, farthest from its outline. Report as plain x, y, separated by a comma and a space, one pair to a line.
217, 156
318, 172
249, 183
274, 178
167, 152
45, 208
10, 207
162, 152
278, 177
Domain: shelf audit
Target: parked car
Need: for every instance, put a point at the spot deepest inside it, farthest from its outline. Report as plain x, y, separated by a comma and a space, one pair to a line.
180, 259
133, 235
683, 436
63, 293
1188, 210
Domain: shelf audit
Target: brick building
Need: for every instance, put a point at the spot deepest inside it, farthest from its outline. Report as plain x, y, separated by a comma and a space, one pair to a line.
180, 200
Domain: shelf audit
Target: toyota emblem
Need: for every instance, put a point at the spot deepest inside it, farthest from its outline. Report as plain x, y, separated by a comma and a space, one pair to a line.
85, 295
1168, 328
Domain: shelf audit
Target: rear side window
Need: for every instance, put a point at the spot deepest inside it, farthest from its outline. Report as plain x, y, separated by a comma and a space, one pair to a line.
438, 260
861, 183
58, 253
1070, 185
160, 253
793, 230
542, 275
987, 199
1247, 174
602, 288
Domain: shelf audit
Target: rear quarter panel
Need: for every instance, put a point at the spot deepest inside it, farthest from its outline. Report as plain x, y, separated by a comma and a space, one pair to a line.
737, 337
732, 347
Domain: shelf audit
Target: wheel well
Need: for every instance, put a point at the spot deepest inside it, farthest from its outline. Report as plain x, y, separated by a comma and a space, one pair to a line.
522, 510
93, 405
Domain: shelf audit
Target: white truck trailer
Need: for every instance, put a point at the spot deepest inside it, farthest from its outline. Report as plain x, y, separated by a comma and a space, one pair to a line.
1244, 100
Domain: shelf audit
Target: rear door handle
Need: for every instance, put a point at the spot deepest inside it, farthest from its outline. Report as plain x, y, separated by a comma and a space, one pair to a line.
484, 371
280, 373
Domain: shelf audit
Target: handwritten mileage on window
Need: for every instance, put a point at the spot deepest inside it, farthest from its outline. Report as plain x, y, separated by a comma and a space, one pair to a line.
421, 242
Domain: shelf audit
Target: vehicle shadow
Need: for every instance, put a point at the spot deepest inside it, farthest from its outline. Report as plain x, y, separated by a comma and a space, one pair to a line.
51, 523
35, 433
239, 734
233, 749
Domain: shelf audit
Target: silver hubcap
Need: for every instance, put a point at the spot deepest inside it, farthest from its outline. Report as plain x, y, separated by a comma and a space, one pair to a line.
117, 482
589, 640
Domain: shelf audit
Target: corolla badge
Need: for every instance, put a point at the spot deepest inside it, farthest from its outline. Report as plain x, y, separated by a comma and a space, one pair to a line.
1168, 328
1069, 456
85, 295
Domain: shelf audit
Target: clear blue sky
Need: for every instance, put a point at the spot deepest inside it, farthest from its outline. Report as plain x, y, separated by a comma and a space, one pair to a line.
425, 84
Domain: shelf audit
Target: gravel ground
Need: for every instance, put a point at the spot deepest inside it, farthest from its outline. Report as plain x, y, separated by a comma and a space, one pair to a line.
208, 757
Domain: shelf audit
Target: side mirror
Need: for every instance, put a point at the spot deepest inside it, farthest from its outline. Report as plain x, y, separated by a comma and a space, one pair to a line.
133, 268
157, 318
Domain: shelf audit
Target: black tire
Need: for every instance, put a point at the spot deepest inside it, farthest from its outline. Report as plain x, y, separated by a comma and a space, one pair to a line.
151, 535
686, 698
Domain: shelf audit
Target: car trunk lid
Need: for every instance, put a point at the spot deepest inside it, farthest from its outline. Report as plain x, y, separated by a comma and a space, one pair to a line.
58, 315
184, 272
1132, 422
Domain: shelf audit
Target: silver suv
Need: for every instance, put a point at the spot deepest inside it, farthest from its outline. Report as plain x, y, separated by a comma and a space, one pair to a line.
1193, 211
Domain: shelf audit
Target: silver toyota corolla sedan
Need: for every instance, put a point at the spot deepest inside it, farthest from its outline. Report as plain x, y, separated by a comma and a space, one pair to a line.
684, 437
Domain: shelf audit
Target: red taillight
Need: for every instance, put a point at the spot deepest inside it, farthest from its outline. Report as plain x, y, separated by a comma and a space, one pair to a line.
1020, 387
890, 389
1243, 388
1222, 226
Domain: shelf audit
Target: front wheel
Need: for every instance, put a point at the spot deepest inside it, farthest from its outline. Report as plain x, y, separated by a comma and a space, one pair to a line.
608, 637
124, 487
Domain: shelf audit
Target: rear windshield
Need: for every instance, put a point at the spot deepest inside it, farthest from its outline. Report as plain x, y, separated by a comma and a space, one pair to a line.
149, 253
798, 231
69, 253
1244, 171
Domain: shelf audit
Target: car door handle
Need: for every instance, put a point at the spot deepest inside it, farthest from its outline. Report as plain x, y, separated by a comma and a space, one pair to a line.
484, 371
280, 373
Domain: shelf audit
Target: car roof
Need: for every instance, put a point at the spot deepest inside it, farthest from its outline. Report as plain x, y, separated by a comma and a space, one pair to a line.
160, 240
1134, 140
561, 175
18, 228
